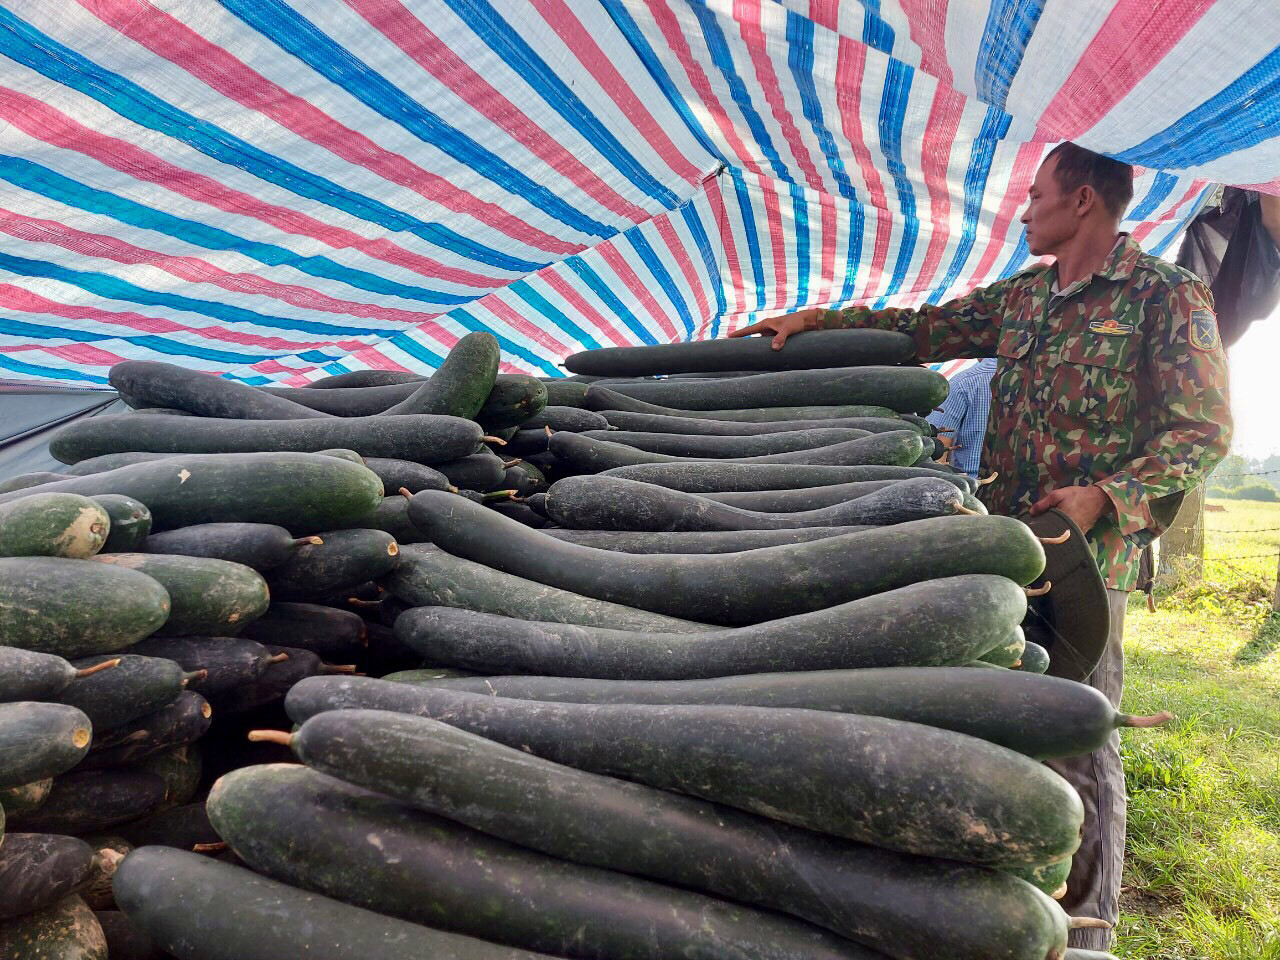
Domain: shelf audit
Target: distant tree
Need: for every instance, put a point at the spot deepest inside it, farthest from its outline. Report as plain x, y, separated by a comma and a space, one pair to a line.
1271, 467
1254, 490
1231, 472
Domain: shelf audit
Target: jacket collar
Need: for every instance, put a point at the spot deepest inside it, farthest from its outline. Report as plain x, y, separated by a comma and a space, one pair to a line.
1122, 260
1119, 265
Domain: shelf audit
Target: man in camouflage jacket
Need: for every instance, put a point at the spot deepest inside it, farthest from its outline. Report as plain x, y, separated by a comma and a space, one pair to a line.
1110, 393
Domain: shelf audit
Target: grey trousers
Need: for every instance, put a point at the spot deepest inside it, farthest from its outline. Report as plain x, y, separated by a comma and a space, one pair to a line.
1093, 887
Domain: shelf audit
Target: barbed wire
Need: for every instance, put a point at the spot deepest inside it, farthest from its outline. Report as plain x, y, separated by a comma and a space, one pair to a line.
1242, 556
1239, 570
1243, 530
1236, 476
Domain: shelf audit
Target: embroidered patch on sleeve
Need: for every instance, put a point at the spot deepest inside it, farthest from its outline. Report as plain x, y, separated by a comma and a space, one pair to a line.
1204, 329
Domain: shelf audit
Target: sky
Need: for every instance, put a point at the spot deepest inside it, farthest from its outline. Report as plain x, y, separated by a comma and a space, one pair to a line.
1255, 389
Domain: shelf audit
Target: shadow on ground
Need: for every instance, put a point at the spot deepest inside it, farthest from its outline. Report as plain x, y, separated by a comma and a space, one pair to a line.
1264, 642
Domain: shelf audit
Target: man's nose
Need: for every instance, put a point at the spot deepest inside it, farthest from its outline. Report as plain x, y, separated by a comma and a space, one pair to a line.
1026, 215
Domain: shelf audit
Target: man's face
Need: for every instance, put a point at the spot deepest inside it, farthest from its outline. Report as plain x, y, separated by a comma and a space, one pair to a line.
1051, 217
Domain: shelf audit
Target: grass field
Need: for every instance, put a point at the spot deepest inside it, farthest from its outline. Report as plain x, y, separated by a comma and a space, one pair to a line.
1202, 878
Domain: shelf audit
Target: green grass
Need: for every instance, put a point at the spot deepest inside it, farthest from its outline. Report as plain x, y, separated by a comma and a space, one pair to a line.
1202, 876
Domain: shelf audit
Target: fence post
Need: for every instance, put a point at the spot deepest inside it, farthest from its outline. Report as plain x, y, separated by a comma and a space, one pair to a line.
1182, 546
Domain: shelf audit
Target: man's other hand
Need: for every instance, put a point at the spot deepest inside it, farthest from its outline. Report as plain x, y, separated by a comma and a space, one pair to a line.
784, 326
1085, 505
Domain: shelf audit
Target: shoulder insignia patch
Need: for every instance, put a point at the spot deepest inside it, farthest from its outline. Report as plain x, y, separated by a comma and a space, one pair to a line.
1204, 329
1111, 327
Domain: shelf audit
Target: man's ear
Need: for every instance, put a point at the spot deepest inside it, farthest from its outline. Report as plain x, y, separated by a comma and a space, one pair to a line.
1086, 199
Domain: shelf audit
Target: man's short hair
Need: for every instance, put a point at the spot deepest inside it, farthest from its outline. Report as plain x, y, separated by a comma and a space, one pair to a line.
1111, 179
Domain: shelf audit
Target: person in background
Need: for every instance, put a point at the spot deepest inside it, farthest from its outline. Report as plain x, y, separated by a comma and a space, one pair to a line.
1110, 393
964, 414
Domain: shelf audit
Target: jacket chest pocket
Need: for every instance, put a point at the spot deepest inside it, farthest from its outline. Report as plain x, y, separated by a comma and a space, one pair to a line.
1093, 379
1010, 379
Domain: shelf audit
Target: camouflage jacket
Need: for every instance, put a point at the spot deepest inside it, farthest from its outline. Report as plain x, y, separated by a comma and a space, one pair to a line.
1120, 380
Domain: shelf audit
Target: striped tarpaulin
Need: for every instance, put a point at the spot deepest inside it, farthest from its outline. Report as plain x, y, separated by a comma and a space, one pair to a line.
279, 190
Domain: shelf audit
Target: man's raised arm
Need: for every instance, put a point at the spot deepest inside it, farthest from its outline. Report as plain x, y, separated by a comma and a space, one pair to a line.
965, 327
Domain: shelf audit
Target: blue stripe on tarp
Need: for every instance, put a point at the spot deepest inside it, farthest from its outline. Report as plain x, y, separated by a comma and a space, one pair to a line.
723, 59
1194, 211
490, 27
509, 346
611, 299
653, 63
559, 320
297, 35
1237, 117
1161, 186
749, 228
170, 347
113, 288
800, 206
23, 43
1008, 30
8, 362
800, 60
49, 183
419, 351
994, 126
654, 264
709, 260
1018, 260
876, 31
893, 110
416, 349
857, 224
1159, 249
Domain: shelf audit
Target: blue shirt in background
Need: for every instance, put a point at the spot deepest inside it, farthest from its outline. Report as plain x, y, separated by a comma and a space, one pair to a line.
965, 411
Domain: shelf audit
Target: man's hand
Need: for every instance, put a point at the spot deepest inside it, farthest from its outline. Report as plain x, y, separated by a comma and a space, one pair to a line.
784, 326
1085, 505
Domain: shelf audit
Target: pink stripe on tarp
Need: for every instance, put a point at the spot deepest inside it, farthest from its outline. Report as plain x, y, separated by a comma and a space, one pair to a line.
939, 136
851, 61
825, 13
1147, 227
1024, 169
1127, 46
681, 256
950, 369
170, 38
611, 255
519, 322
406, 31
1271, 186
673, 33
197, 270
927, 20
715, 197
571, 296
821, 292
561, 18
82, 353
367, 357
777, 242
51, 126
18, 298
749, 16
270, 366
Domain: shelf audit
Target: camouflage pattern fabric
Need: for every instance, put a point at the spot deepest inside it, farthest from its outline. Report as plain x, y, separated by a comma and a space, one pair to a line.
1120, 380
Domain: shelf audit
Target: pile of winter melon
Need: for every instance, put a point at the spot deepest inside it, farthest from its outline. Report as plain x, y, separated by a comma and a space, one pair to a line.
708, 656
